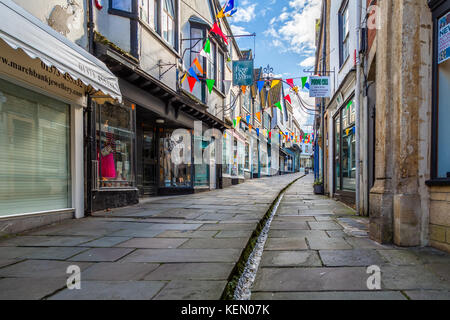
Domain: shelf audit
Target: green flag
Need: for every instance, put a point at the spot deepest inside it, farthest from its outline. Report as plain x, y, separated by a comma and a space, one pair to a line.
278, 105
304, 80
234, 123
349, 104
207, 46
210, 84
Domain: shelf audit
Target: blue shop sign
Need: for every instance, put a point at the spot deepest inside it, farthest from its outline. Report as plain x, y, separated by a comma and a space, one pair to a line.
243, 73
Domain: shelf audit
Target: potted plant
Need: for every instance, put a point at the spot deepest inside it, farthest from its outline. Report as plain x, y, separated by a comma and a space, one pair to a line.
318, 187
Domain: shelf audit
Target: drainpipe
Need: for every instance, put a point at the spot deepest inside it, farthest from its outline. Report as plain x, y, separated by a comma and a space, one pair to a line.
357, 104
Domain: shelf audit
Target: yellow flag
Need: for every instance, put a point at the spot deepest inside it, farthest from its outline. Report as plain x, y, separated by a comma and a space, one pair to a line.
184, 78
220, 15
295, 89
274, 83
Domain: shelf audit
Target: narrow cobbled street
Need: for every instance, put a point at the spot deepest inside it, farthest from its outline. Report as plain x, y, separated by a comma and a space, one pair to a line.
186, 247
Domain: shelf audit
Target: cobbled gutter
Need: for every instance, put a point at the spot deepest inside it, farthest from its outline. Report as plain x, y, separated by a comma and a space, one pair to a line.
244, 273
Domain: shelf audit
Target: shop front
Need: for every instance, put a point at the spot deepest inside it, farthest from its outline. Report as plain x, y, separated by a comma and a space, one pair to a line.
344, 165
43, 83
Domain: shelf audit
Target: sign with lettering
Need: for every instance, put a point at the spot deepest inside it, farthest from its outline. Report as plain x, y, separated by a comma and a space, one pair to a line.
319, 87
243, 73
444, 38
18, 65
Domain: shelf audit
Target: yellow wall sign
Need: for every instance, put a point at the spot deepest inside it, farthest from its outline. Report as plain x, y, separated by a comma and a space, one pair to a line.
17, 64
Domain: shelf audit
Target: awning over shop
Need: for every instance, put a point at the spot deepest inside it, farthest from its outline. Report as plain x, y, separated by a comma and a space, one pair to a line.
21, 30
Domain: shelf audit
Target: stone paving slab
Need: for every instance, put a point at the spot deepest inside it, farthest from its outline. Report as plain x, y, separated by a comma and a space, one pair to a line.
112, 290
105, 242
153, 243
191, 271
110, 271
45, 241
350, 258
192, 290
41, 269
291, 259
311, 279
223, 243
183, 255
228, 226
286, 244
29, 288
102, 254
187, 234
341, 295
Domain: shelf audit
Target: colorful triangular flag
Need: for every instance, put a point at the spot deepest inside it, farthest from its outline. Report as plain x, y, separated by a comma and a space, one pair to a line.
210, 84
184, 78
290, 82
247, 118
274, 83
258, 115
307, 86
243, 88
278, 105
260, 85
192, 82
304, 80
216, 29
193, 74
231, 13
220, 15
199, 66
257, 132
288, 98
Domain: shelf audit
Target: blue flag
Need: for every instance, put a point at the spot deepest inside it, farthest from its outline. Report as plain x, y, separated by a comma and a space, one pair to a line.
257, 132
307, 85
193, 74
248, 119
260, 85
229, 7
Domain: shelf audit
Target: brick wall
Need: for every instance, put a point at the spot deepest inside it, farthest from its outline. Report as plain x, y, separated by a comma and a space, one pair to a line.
439, 232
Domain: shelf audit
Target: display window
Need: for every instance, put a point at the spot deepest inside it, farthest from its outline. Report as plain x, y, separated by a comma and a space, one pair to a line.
115, 145
35, 171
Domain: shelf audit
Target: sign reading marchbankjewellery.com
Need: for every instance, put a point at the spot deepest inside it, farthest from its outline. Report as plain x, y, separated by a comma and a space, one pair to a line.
243, 73
18, 65
319, 87
444, 38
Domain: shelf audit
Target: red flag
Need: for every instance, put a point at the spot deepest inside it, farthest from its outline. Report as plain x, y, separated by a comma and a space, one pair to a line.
288, 98
192, 82
216, 29
290, 82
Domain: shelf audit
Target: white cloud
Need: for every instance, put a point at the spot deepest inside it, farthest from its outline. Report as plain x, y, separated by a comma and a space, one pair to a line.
245, 14
296, 27
308, 62
238, 30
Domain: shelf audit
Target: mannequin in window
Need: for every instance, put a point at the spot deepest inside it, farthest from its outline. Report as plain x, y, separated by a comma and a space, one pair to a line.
108, 148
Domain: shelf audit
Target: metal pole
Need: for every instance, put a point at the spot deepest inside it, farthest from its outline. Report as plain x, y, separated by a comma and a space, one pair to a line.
357, 104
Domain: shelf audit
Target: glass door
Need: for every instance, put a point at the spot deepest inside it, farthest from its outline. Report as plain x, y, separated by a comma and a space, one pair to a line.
149, 161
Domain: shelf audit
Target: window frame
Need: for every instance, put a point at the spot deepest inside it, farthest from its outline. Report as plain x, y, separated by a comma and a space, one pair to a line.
344, 38
439, 9
129, 14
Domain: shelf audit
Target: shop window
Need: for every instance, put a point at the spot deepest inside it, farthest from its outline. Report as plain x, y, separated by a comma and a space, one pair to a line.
115, 138
122, 5
227, 154
443, 98
35, 152
344, 150
172, 175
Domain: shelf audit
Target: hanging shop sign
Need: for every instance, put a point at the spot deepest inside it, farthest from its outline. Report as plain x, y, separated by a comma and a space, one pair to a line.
444, 38
319, 87
243, 73
18, 65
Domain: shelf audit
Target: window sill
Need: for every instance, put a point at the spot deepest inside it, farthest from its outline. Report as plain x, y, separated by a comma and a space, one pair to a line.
438, 182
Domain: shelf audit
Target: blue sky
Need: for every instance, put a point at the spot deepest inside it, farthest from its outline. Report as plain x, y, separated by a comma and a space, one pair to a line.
285, 35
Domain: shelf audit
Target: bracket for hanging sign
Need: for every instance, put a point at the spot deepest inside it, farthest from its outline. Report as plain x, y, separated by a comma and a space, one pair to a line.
162, 65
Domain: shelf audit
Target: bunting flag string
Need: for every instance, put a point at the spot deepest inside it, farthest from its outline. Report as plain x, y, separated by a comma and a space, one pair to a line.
260, 85
304, 80
199, 67
258, 115
243, 88
274, 83
216, 29
247, 118
278, 105
192, 82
